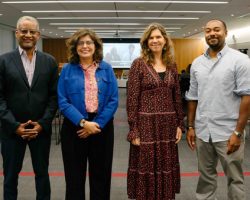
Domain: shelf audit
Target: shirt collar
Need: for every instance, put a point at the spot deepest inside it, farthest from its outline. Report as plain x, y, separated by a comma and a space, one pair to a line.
22, 51
219, 54
93, 65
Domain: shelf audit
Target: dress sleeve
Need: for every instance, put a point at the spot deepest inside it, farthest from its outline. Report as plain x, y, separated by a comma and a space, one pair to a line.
177, 101
133, 97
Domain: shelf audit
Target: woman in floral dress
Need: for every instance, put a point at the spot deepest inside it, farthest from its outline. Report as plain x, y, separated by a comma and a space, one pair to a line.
155, 119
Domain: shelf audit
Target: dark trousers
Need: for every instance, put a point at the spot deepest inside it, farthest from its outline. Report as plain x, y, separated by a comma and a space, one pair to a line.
13, 151
98, 151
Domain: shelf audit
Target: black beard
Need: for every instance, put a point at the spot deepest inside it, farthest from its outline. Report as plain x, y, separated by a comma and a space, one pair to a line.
216, 47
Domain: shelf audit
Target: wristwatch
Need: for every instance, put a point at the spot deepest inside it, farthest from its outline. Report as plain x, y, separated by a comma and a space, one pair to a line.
190, 127
238, 134
82, 122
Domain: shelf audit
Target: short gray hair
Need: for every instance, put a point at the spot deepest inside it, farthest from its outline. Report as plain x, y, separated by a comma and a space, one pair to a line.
28, 18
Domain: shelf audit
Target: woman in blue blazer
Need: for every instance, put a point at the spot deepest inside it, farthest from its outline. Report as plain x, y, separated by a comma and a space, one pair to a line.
88, 99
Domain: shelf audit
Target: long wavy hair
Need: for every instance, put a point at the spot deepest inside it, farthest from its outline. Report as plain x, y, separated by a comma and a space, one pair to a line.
167, 51
72, 42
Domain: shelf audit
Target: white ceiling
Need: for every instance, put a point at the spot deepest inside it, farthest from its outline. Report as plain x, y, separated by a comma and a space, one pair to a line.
112, 19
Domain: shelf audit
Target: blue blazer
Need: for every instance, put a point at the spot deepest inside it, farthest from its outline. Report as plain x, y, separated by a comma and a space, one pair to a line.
71, 93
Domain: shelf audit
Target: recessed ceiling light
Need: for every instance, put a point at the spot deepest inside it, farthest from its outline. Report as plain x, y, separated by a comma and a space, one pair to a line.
141, 8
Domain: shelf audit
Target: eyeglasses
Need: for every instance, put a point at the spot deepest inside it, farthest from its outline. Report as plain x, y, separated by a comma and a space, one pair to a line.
88, 43
26, 31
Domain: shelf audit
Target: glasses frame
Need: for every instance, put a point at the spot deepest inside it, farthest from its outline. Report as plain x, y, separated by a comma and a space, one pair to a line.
88, 43
26, 31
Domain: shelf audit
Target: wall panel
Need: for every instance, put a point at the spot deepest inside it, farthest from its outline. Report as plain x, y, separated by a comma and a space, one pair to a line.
57, 48
186, 50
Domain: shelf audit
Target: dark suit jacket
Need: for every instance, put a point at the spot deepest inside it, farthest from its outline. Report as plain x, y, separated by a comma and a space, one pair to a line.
20, 102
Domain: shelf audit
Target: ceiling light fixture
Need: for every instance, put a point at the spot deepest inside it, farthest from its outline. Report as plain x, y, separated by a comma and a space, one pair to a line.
105, 18
114, 31
104, 24
116, 11
111, 28
131, 1
244, 15
106, 31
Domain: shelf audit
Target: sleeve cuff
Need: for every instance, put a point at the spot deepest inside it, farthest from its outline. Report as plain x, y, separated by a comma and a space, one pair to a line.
182, 126
133, 134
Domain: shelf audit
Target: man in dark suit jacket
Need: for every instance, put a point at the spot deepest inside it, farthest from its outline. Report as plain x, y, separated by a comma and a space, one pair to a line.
28, 102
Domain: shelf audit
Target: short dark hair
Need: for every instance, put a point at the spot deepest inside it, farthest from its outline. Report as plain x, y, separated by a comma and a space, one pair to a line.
223, 23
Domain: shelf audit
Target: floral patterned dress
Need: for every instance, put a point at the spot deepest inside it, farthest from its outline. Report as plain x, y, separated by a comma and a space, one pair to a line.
154, 113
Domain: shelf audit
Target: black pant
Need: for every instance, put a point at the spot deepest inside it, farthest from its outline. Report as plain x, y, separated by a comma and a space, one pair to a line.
13, 151
98, 150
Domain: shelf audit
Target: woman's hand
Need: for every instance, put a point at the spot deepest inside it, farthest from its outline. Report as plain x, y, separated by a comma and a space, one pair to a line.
89, 129
178, 135
136, 141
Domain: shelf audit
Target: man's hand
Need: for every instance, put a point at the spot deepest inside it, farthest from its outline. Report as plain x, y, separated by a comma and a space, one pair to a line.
36, 126
233, 144
21, 131
191, 138
29, 130
89, 129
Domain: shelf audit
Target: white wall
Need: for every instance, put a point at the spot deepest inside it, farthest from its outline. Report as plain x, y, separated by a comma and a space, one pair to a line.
6, 40
239, 39
9, 43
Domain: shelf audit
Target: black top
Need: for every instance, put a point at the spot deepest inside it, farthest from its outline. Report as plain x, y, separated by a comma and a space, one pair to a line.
162, 75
